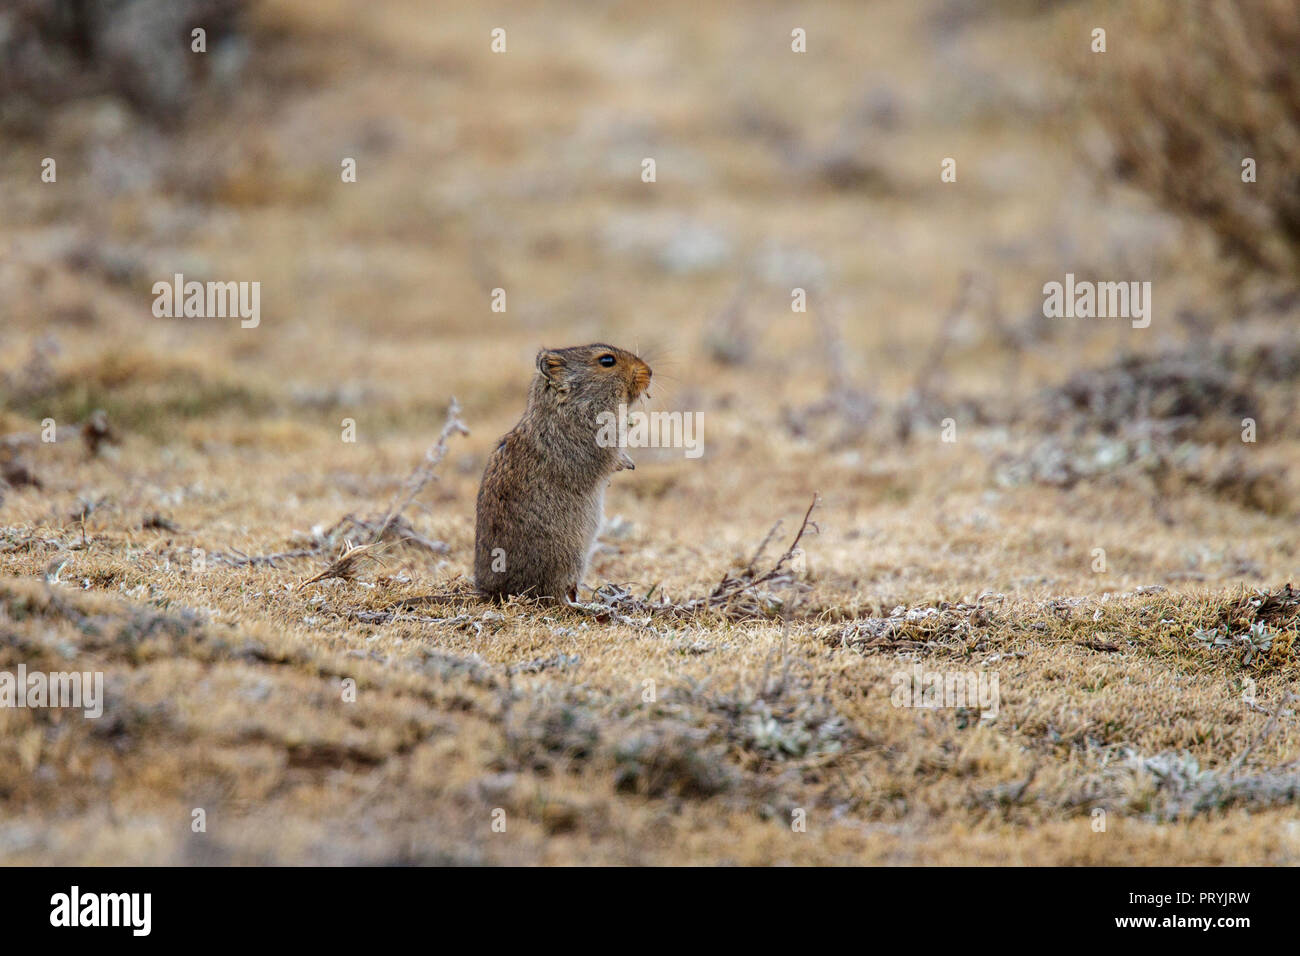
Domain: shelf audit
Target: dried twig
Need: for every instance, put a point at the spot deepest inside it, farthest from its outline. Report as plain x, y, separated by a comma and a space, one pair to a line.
423, 472
347, 564
399, 529
730, 588
373, 529
617, 602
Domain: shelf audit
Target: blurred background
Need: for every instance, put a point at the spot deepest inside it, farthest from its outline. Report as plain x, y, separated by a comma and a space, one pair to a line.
521, 171
963, 444
775, 170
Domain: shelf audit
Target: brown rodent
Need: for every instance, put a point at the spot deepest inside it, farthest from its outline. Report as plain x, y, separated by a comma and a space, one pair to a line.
543, 492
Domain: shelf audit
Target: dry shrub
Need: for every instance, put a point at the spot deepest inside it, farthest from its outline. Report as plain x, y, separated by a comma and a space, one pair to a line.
922, 628
15, 464
671, 758
1170, 421
52, 51
1264, 488
1173, 786
1186, 91
1257, 628
1178, 391
1278, 608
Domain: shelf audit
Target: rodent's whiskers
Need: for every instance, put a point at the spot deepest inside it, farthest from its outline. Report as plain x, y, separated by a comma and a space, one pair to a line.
663, 389
655, 354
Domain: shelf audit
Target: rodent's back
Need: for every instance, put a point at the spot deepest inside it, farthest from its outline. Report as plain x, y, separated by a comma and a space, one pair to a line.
532, 532
541, 500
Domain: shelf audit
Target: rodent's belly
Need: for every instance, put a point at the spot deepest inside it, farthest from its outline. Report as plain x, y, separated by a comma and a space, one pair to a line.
566, 512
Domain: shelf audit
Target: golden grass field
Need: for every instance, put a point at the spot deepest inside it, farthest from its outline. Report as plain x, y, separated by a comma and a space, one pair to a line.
226, 677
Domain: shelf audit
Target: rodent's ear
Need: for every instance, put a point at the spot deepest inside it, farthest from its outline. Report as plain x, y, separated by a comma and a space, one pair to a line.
551, 364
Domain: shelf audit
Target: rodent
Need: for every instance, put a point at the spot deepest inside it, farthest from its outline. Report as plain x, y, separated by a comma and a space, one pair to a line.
542, 498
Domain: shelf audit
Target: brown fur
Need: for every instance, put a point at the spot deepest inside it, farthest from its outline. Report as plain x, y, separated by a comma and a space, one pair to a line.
543, 491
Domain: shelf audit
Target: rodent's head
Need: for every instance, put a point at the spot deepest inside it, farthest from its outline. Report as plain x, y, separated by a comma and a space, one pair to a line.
596, 375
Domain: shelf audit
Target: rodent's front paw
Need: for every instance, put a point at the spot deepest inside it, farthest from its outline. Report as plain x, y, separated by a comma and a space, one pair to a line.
624, 462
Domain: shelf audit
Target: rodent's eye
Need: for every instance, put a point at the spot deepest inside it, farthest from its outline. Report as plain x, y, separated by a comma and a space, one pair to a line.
607, 360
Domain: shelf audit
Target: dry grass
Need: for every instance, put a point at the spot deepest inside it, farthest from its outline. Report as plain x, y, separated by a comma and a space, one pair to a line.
715, 680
